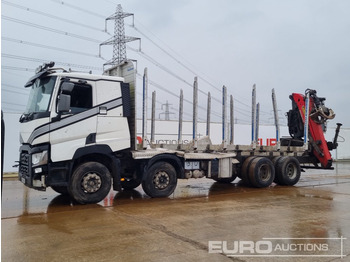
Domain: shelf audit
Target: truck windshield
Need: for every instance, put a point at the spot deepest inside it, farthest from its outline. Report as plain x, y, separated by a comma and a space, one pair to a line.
40, 94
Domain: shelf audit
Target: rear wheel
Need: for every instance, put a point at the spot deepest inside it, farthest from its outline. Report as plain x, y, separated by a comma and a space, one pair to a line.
90, 183
288, 171
275, 161
160, 180
245, 170
261, 172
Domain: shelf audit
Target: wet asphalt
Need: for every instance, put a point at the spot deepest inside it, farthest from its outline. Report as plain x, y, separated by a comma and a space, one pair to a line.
306, 222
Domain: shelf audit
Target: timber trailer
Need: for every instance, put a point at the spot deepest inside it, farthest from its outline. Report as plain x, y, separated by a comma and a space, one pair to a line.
78, 136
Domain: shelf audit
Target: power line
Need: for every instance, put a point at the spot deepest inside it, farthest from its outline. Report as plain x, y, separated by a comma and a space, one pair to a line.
165, 69
14, 104
161, 48
139, 75
12, 91
183, 65
61, 19
158, 86
97, 41
173, 57
153, 42
12, 86
50, 29
31, 59
174, 94
152, 60
161, 103
177, 60
10, 109
111, 2
17, 75
49, 47
166, 52
17, 68
79, 8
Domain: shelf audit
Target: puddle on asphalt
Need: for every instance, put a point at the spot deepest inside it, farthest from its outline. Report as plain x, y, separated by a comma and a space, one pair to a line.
19, 200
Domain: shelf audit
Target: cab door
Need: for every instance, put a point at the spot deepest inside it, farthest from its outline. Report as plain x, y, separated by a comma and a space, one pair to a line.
112, 125
75, 128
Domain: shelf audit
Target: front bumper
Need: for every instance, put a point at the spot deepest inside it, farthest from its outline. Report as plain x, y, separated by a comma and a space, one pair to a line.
32, 176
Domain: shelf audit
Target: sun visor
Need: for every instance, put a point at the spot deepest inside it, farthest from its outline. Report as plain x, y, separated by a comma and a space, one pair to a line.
35, 77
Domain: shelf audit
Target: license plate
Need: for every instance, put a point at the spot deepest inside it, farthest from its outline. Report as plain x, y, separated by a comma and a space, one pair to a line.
23, 180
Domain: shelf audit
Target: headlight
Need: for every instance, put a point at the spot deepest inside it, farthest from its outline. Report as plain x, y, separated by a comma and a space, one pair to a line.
39, 158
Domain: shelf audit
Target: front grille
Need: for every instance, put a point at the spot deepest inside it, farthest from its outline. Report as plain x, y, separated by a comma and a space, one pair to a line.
24, 164
24, 170
24, 159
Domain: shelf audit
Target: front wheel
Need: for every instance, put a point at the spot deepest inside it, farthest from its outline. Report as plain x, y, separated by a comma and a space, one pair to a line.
160, 180
90, 183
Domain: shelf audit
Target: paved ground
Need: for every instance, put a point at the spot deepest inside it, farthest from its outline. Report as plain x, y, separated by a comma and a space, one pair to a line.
129, 226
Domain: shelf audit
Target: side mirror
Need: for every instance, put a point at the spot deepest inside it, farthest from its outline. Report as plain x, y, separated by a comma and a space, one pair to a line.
63, 103
67, 87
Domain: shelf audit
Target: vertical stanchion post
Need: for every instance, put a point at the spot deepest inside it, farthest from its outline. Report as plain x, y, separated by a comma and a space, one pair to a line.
275, 113
208, 114
144, 109
153, 116
306, 121
224, 117
2, 148
195, 112
257, 123
253, 116
231, 121
181, 110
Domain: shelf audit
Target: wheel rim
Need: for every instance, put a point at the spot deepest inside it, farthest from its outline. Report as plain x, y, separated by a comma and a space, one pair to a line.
91, 183
265, 173
291, 171
161, 180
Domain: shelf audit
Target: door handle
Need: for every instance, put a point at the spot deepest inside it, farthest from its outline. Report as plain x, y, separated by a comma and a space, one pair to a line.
103, 110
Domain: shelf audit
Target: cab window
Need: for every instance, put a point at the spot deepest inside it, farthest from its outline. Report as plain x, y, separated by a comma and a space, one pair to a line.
81, 98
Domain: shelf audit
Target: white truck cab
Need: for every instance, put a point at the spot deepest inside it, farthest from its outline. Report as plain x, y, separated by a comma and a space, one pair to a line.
71, 115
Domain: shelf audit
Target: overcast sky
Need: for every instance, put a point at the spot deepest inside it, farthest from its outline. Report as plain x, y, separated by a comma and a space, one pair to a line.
288, 45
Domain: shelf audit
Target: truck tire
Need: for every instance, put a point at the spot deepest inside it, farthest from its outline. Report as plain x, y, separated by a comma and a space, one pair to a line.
275, 161
63, 190
245, 170
90, 183
160, 180
288, 171
261, 172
